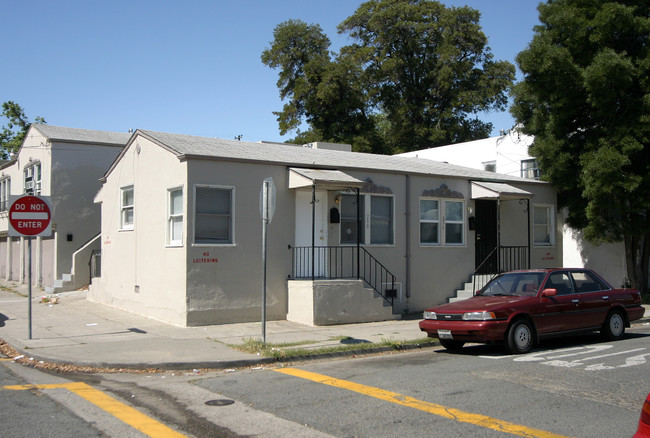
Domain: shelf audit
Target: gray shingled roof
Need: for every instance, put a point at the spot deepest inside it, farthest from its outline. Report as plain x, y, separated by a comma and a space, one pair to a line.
74, 135
187, 146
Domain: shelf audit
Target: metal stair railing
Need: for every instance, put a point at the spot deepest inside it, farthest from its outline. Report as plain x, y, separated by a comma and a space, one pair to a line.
511, 258
339, 262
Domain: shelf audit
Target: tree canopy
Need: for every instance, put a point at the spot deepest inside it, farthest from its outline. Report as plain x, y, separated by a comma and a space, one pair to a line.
14, 132
585, 97
414, 77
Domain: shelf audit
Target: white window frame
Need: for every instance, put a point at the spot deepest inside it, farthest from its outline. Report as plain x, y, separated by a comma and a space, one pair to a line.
489, 166
549, 225
437, 221
125, 208
530, 169
231, 214
367, 219
5, 192
442, 222
34, 172
460, 222
174, 217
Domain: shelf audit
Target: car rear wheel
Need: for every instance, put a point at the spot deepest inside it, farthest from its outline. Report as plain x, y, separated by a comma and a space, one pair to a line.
520, 337
614, 327
451, 344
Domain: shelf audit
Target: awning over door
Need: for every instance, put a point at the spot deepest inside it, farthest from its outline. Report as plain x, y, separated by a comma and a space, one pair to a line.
502, 191
329, 179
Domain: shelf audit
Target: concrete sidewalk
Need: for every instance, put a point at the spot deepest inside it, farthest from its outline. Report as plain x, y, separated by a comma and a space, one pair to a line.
79, 332
76, 331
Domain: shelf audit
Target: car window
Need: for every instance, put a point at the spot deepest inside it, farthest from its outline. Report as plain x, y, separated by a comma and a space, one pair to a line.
587, 282
528, 283
519, 283
560, 281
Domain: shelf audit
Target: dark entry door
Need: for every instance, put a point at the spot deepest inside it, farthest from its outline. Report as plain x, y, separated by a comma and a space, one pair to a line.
486, 237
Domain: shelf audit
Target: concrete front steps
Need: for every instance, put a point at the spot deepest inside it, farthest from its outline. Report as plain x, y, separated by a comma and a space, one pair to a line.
467, 290
59, 285
331, 302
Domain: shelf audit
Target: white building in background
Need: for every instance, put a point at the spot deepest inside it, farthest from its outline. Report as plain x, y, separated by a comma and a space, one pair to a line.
508, 154
66, 165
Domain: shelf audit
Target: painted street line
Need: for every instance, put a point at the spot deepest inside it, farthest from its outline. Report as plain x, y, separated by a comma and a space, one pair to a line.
629, 362
551, 358
431, 408
127, 414
579, 362
580, 351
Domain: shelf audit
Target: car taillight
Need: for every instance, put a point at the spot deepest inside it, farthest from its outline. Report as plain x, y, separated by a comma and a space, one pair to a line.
637, 298
645, 411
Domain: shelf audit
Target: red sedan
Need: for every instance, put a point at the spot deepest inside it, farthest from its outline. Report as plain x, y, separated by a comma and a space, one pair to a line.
523, 307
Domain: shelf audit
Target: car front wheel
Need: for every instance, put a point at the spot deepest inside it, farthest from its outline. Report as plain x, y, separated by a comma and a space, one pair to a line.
451, 344
614, 327
520, 337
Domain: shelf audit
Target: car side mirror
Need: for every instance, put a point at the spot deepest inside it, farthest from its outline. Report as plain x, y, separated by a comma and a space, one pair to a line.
549, 292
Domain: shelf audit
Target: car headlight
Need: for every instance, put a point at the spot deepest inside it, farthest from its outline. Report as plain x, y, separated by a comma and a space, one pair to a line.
478, 316
430, 315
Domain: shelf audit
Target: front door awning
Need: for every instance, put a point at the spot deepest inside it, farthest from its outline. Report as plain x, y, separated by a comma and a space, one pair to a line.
322, 178
502, 191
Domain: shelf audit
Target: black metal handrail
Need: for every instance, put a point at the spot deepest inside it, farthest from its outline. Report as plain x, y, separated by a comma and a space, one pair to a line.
511, 258
338, 262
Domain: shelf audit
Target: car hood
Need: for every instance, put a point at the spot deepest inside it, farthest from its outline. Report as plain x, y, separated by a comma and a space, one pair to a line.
479, 303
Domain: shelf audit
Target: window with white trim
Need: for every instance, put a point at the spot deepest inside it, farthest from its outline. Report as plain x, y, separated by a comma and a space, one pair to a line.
32, 179
5, 191
490, 166
376, 213
454, 222
213, 218
126, 208
530, 169
429, 221
175, 216
442, 222
543, 225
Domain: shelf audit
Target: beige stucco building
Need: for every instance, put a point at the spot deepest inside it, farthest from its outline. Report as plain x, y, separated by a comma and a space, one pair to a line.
354, 237
64, 164
508, 154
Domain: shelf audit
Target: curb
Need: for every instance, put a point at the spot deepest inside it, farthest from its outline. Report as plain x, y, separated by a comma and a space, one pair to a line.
40, 362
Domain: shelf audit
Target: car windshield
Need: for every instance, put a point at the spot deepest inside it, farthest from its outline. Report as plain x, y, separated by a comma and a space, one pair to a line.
514, 283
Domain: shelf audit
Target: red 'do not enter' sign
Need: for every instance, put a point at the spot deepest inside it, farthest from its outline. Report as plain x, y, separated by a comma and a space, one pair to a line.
30, 216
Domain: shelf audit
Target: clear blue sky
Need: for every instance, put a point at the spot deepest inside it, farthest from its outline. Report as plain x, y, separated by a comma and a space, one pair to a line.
188, 67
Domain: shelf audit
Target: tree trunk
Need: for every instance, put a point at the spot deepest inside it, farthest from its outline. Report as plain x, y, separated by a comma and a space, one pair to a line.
637, 257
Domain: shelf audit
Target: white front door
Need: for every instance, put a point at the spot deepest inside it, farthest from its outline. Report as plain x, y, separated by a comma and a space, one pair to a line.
303, 260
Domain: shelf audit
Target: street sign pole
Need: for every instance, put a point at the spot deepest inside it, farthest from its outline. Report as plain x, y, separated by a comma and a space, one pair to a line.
265, 225
29, 288
29, 216
267, 208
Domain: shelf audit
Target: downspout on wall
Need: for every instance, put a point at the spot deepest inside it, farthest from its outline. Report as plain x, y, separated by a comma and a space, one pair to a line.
407, 280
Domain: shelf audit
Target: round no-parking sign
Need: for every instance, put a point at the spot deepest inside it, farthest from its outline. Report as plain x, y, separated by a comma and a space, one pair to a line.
30, 216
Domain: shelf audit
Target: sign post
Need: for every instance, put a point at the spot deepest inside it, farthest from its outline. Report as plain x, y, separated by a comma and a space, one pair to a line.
267, 208
30, 216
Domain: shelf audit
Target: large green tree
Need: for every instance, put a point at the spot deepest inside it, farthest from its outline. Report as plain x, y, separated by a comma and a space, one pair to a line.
14, 131
585, 97
414, 77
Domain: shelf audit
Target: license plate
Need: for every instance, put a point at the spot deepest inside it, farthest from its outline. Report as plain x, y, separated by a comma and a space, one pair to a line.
444, 334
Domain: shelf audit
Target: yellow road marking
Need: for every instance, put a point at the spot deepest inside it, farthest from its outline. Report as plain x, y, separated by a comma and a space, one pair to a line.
432, 408
127, 414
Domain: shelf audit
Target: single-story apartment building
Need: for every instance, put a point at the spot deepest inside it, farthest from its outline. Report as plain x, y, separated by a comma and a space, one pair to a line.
354, 237
64, 164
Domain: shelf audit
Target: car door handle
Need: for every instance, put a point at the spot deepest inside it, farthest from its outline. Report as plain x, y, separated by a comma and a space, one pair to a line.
606, 297
575, 301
